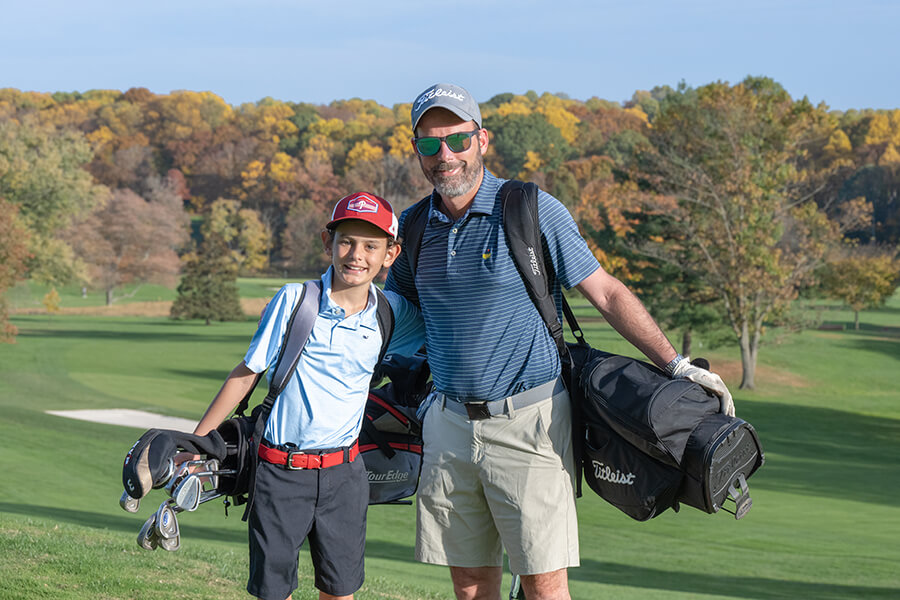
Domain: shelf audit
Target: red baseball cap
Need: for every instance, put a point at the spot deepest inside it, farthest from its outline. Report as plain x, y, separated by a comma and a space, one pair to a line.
365, 207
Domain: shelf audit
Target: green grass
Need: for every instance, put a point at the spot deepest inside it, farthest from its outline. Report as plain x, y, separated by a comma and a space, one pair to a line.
28, 294
825, 521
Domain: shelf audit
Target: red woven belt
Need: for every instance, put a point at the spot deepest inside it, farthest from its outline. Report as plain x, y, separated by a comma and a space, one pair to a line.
300, 460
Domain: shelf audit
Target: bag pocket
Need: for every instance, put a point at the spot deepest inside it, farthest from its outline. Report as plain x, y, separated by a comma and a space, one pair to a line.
392, 478
627, 478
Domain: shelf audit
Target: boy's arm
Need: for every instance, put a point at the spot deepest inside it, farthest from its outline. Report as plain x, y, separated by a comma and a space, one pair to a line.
409, 326
236, 386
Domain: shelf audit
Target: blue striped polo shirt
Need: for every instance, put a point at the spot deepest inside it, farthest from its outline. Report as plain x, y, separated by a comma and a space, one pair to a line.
484, 337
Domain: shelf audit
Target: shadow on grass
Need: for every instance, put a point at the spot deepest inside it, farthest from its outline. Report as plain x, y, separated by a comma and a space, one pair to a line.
876, 344
865, 329
211, 374
130, 524
131, 335
723, 585
825, 452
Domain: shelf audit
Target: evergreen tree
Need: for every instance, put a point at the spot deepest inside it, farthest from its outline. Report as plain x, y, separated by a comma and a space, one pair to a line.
208, 288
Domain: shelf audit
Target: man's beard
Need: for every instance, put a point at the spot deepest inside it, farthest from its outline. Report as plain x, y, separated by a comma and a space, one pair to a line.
459, 184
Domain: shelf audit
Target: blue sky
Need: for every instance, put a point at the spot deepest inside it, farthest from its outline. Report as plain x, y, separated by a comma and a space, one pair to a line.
844, 53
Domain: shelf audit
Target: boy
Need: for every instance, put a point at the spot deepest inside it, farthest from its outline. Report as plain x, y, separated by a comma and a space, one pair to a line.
320, 410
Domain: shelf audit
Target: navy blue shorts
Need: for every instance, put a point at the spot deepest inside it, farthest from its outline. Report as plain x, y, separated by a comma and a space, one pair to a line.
325, 506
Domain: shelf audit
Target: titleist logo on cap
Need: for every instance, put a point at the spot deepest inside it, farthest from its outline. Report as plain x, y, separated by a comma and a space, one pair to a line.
437, 92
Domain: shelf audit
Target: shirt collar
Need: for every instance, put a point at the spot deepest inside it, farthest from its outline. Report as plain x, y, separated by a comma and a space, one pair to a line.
330, 309
482, 204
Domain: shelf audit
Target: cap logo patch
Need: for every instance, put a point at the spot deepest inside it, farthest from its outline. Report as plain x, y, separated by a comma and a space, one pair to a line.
437, 93
363, 204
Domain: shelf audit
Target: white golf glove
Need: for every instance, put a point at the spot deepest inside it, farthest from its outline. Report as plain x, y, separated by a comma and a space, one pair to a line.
708, 380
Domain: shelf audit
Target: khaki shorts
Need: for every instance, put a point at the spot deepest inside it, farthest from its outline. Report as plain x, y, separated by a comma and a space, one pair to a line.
503, 482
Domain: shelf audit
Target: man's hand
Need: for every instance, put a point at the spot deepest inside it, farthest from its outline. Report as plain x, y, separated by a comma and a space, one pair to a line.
708, 380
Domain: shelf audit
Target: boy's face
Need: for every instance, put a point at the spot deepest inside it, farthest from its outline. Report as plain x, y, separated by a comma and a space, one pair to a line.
358, 252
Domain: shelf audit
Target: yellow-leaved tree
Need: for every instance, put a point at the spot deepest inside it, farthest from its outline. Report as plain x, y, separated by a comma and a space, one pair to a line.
863, 277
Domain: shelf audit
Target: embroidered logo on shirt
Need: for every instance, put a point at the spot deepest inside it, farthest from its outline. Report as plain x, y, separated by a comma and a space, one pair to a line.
363, 204
486, 254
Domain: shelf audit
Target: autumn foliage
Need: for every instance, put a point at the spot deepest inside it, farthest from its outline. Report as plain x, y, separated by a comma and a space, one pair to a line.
695, 197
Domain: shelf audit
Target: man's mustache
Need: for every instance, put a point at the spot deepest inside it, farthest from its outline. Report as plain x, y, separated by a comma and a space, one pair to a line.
446, 166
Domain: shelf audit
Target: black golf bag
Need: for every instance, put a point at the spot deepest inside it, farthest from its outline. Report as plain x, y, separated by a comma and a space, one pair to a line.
652, 442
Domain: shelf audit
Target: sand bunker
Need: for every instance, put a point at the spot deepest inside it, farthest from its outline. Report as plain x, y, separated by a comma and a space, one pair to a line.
138, 419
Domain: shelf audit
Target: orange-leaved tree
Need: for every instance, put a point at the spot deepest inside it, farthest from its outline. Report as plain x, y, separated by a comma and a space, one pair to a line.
13, 252
132, 239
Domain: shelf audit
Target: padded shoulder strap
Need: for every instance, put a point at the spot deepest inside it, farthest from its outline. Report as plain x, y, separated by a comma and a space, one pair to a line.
385, 315
294, 334
523, 236
299, 327
413, 230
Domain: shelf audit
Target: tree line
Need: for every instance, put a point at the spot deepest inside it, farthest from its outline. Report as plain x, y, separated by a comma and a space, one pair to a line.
718, 204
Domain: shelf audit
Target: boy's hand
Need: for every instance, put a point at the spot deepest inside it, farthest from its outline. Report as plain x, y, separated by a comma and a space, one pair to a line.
708, 380
183, 457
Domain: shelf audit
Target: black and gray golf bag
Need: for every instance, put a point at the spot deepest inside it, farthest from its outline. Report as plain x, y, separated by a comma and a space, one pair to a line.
653, 442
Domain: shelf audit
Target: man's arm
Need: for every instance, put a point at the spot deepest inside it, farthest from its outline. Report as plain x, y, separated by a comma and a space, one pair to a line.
625, 312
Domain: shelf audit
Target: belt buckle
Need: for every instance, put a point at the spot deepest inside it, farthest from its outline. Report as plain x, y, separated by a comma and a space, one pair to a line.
315, 459
477, 411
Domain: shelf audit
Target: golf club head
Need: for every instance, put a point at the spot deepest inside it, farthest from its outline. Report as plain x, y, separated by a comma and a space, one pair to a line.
212, 466
128, 503
166, 522
181, 472
170, 544
168, 472
147, 537
187, 494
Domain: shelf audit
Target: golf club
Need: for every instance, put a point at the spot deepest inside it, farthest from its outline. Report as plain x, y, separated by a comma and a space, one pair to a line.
167, 473
128, 503
166, 523
170, 544
147, 537
187, 494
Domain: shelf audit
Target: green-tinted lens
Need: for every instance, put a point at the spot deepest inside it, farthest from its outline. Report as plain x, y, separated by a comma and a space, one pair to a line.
458, 142
429, 146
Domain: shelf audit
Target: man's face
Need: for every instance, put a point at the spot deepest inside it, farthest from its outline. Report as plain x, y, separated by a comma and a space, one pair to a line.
358, 252
452, 174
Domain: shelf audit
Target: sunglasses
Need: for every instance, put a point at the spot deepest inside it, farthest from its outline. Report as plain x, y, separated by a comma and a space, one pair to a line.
457, 142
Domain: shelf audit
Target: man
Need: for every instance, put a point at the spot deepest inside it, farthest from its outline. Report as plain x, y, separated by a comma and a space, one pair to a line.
498, 468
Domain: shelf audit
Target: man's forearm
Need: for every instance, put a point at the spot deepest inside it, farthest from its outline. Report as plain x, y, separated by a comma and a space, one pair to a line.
625, 312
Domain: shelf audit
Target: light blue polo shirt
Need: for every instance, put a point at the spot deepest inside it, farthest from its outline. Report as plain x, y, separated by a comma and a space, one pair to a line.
485, 338
322, 405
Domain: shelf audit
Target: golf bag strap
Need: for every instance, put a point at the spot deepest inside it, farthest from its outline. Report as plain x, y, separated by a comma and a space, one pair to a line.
413, 230
300, 325
526, 244
376, 436
385, 316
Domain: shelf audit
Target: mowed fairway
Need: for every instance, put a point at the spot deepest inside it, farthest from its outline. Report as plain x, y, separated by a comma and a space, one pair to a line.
825, 522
